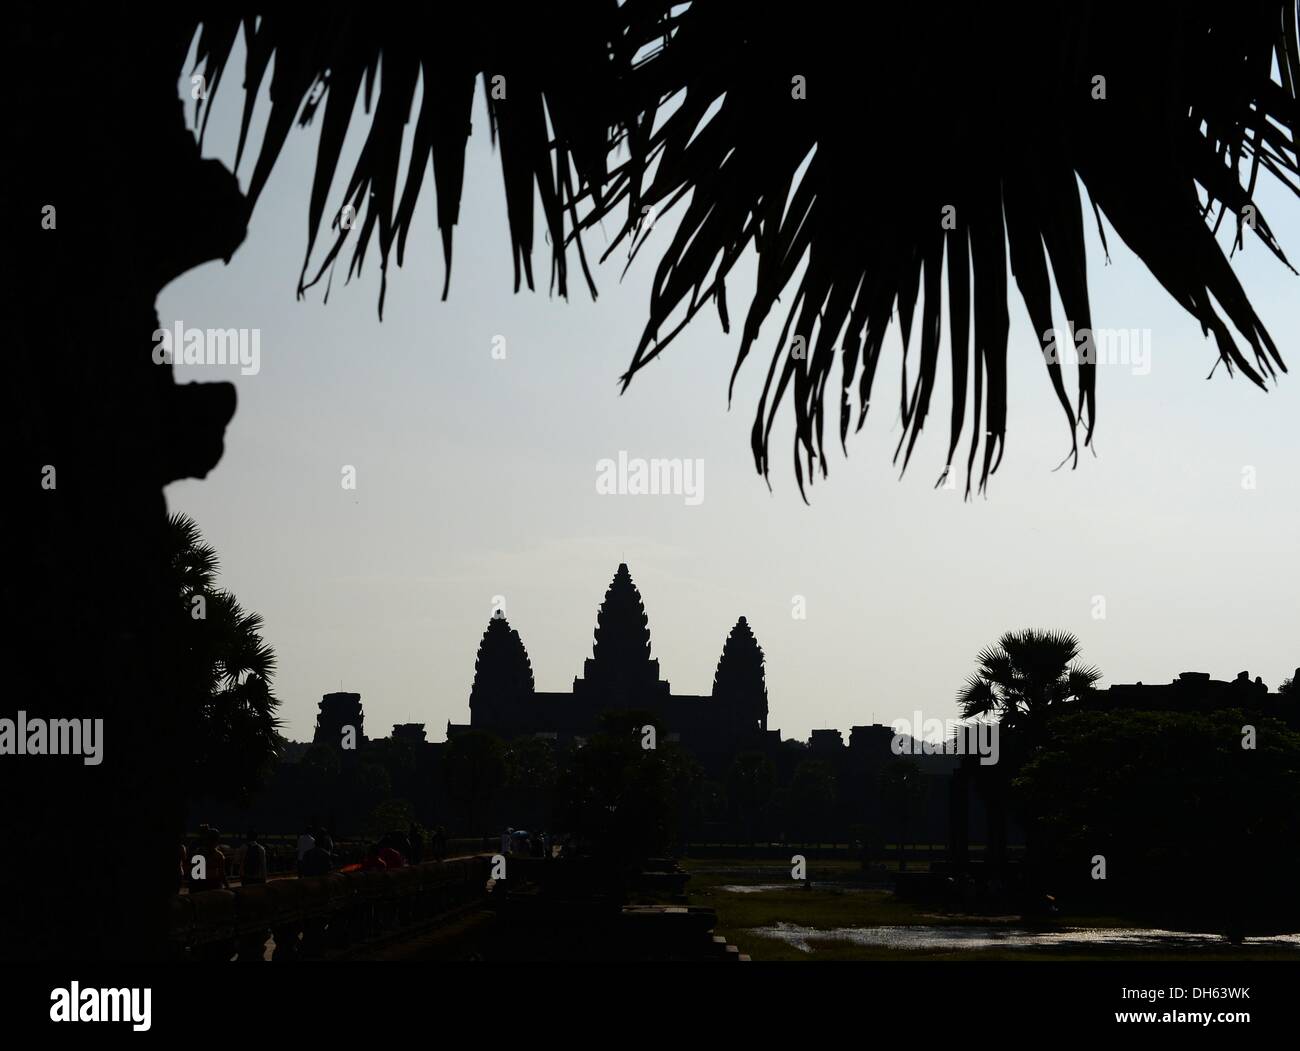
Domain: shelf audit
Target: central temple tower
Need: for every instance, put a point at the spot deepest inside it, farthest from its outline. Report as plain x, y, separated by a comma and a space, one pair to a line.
620, 667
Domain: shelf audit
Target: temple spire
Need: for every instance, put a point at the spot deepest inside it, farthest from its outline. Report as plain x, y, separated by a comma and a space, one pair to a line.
622, 627
502, 670
740, 680
620, 655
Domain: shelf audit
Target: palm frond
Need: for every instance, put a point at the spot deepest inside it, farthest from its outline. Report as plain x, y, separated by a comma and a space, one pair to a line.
977, 698
858, 166
1080, 680
962, 130
193, 562
1041, 657
551, 89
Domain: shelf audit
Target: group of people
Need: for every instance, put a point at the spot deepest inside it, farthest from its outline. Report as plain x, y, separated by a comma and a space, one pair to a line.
394, 850
315, 851
208, 867
517, 842
317, 855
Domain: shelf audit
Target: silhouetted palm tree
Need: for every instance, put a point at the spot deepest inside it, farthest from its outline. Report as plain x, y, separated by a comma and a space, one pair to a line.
1023, 675
989, 110
1018, 681
231, 739
852, 162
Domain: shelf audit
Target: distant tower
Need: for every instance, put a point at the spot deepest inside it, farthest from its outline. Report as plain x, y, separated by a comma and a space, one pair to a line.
413, 732
740, 682
620, 666
337, 711
503, 678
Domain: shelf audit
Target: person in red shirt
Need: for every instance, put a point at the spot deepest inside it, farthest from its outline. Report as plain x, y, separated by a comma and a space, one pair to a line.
214, 862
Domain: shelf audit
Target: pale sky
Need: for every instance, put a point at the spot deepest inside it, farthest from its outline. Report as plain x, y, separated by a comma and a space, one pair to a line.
476, 478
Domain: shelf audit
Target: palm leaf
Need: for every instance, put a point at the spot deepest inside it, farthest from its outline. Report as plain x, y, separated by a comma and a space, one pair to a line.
839, 192
977, 698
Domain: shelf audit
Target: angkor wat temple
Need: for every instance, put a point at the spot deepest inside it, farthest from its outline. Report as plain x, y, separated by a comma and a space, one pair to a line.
944, 805
622, 675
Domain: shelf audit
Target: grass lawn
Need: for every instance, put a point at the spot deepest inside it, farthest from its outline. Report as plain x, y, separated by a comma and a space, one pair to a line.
841, 904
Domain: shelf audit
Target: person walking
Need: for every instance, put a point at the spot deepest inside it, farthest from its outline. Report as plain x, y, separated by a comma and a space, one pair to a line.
318, 861
252, 861
306, 842
213, 866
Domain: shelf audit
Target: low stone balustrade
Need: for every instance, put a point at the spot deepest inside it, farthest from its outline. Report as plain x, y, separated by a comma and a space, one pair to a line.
317, 916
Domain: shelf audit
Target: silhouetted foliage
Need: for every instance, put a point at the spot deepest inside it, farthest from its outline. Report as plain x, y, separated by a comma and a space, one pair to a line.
623, 801
531, 770
750, 783
713, 801
1024, 674
530, 764
231, 737
391, 815
475, 770
686, 783
1156, 109
365, 785
402, 761
902, 790
812, 797
1192, 109
320, 765
1188, 820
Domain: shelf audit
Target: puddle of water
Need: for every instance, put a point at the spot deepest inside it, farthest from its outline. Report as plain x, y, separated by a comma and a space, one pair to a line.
1003, 937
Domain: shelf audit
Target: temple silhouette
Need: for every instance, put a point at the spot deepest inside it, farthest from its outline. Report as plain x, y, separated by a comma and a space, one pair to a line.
621, 675
947, 803
337, 711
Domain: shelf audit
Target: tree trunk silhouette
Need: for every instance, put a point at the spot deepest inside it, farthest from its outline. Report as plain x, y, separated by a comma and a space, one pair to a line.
959, 816
96, 429
996, 811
